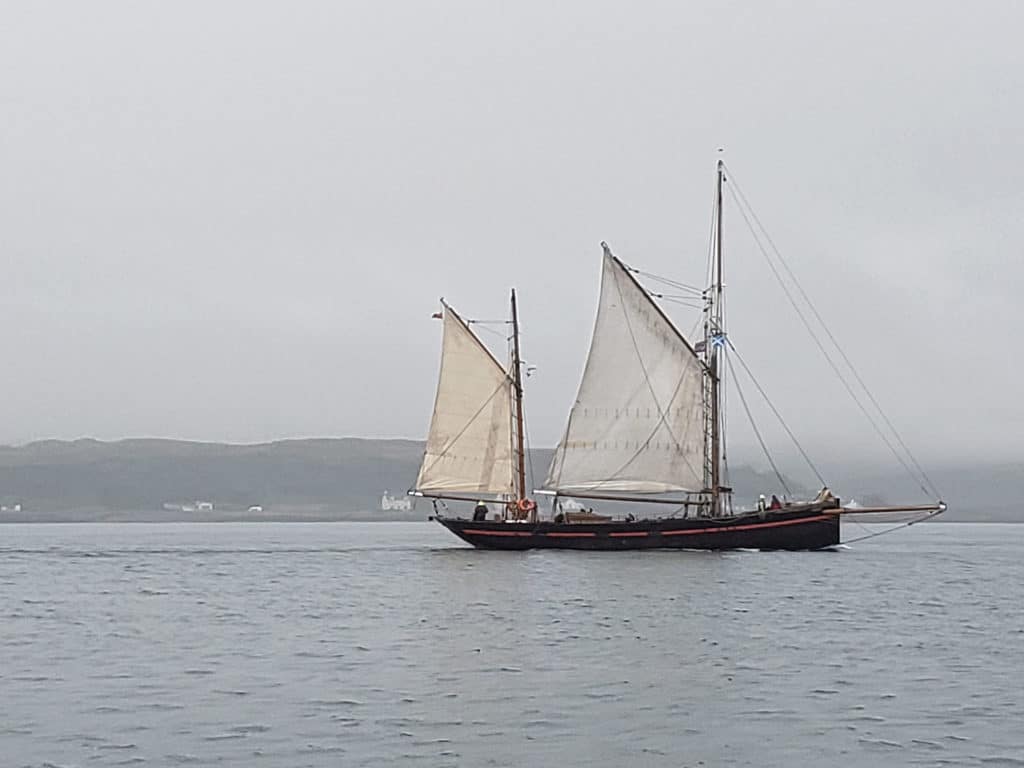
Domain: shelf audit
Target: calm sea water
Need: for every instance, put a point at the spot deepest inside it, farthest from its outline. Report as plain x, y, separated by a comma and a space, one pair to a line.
373, 644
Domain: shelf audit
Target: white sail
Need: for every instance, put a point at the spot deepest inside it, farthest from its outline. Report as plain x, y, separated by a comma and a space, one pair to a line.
469, 448
638, 421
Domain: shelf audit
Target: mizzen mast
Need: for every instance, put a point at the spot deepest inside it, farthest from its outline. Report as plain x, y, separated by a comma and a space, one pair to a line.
517, 382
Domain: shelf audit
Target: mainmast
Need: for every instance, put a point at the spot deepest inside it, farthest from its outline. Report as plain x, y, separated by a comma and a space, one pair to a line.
714, 346
518, 391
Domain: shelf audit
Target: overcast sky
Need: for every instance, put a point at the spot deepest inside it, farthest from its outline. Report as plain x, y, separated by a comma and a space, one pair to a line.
232, 221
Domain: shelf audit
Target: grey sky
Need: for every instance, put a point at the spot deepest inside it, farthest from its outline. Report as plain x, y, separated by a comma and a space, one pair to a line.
232, 221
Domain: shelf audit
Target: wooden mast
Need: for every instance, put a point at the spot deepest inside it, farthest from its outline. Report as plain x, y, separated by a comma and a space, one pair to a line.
518, 385
715, 367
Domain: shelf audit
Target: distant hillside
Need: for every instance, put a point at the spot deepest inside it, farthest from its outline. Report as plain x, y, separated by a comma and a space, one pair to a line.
342, 478
290, 479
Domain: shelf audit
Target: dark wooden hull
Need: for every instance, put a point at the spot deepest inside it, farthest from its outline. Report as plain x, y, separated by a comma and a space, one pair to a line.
782, 529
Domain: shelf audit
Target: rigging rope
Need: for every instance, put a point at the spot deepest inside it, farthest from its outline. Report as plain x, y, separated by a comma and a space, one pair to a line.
823, 350
710, 273
757, 432
492, 331
723, 404
682, 300
923, 518
778, 415
724, 480
744, 206
668, 281
529, 454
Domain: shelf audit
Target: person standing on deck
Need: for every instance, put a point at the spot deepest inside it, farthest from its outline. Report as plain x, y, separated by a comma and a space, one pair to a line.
479, 512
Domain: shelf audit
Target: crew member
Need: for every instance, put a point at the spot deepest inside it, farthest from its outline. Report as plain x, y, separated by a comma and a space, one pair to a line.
479, 512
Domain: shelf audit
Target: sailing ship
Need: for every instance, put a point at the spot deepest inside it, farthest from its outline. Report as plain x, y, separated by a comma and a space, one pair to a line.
646, 428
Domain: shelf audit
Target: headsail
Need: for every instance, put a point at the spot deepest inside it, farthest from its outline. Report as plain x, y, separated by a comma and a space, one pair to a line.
638, 421
469, 448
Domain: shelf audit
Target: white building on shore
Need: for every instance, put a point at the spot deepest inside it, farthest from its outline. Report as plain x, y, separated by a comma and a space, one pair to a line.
390, 503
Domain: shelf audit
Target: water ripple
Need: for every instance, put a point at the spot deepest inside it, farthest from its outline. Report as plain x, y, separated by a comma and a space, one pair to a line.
363, 645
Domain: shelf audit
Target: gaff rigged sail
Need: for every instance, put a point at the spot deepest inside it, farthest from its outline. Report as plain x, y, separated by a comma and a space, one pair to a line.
469, 447
638, 421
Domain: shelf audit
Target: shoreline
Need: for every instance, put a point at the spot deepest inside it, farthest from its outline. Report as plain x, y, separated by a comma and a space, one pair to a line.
135, 518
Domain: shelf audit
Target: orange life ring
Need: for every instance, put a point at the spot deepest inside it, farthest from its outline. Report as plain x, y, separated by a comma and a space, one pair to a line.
526, 505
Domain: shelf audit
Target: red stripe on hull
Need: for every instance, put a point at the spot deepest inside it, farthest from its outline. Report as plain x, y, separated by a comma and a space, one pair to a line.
754, 527
496, 533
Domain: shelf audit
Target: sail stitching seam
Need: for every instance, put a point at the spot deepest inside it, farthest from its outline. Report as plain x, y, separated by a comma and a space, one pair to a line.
469, 423
647, 379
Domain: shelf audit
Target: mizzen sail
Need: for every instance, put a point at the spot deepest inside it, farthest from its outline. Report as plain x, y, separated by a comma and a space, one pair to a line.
638, 421
469, 447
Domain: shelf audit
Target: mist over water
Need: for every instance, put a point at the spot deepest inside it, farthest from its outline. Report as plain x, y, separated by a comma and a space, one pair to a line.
368, 644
